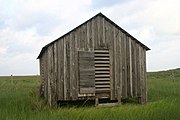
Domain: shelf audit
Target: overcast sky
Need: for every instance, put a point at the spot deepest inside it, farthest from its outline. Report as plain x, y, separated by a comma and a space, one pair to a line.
27, 25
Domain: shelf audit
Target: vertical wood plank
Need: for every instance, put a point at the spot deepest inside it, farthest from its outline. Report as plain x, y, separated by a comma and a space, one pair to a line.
65, 70
111, 51
127, 66
103, 34
138, 71
76, 84
93, 34
96, 33
78, 38
72, 67
135, 69
117, 64
52, 74
81, 42
106, 27
100, 33
60, 82
46, 75
55, 68
141, 74
123, 63
91, 48
68, 74
84, 28
71, 74
120, 67
49, 77
57, 65
88, 35
130, 66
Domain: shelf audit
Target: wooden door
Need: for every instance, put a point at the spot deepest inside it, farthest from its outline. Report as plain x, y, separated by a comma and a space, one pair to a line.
86, 72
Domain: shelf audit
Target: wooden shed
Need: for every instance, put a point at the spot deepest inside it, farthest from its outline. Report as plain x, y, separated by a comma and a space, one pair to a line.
96, 60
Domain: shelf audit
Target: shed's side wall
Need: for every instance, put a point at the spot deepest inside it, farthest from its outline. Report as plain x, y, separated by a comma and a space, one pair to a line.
59, 63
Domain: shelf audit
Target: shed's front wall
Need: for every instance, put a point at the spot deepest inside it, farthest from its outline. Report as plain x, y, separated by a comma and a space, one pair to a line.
59, 64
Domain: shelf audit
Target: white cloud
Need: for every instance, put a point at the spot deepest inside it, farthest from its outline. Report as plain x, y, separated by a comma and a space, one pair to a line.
164, 15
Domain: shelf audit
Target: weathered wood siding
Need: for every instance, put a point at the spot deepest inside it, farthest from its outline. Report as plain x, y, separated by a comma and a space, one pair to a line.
59, 64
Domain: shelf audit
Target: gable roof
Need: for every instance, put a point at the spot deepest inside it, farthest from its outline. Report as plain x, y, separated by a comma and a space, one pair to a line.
107, 19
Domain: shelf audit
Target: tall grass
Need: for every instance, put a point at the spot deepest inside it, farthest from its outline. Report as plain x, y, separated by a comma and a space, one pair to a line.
19, 101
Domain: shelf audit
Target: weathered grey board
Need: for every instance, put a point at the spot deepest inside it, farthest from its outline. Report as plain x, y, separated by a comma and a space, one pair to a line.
86, 72
61, 70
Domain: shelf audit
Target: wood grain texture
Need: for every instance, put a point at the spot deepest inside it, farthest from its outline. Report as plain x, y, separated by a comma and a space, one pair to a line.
60, 82
86, 72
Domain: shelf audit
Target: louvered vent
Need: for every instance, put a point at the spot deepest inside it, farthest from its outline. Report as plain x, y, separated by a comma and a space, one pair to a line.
102, 71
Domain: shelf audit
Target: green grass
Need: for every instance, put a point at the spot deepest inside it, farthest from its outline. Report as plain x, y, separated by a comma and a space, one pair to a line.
19, 101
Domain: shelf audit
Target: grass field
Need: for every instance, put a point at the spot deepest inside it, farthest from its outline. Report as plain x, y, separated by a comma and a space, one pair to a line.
19, 101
